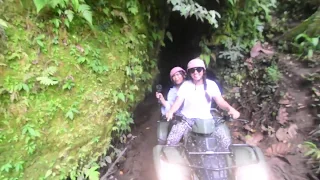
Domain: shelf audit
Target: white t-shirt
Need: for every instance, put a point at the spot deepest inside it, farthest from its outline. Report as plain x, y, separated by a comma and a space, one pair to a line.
195, 101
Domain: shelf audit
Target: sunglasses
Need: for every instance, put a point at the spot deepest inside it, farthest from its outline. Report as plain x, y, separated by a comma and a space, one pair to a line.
198, 69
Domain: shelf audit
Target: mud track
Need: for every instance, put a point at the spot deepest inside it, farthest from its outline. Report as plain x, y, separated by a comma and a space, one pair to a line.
138, 164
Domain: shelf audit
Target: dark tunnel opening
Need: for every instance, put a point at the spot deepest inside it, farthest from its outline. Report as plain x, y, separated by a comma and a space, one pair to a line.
186, 35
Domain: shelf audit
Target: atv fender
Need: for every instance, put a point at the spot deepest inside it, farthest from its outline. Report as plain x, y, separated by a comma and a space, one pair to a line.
165, 157
249, 160
247, 155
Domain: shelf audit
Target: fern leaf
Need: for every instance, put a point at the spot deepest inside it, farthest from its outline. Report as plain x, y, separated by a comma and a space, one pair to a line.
75, 4
54, 3
47, 81
69, 14
40, 4
69, 115
49, 71
63, 3
85, 10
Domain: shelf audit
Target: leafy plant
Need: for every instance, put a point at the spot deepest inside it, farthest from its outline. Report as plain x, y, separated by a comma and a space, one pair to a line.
313, 151
73, 110
47, 78
205, 52
51, 106
6, 167
189, 8
245, 21
123, 121
308, 45
92, 173
68, 84
233, 52
66, 9
19, 166
314, 156
39, 40
132, 7
29, 131
274, 73
118, 95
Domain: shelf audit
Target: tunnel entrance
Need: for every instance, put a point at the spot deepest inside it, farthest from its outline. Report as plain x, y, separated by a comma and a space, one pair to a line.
186, 35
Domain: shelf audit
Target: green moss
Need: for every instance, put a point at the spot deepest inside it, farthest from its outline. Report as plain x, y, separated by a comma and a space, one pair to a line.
57, 131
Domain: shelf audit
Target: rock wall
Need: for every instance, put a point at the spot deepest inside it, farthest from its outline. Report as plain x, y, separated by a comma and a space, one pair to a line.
64, 90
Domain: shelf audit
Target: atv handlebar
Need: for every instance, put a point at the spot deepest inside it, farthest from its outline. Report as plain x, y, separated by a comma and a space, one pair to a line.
225, 118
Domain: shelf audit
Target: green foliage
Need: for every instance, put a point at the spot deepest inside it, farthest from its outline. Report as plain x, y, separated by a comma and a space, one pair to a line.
123, 121
132, 7
244, 21
308, 45
93, 173
47, 78
68, 84
73, 110
189, 8
91, 57
47, 69
66, 9
247, 80
313, 151
233, 52
313, 154
274, 73
205, 52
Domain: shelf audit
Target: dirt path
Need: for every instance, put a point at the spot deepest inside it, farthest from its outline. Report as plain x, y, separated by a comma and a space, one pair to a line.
139, 163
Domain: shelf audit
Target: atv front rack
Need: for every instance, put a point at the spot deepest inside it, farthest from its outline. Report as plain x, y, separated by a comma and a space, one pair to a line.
165, 159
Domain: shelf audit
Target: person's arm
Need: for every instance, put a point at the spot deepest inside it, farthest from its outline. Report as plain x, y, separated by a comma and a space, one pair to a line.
181, 94
226, 106
216, 95
222, 103
162, 100
172, 96
176, 105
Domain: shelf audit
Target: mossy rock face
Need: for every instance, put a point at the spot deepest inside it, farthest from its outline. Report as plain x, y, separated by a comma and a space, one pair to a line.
63, 91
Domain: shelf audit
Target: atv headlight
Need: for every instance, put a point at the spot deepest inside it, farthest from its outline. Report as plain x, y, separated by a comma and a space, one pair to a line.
252, 172
170, 171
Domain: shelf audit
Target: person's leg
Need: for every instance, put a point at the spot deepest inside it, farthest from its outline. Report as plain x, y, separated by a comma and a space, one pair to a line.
176, 133
179, 130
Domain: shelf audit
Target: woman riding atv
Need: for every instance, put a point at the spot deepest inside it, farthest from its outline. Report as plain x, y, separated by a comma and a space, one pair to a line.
177, 76
196, 95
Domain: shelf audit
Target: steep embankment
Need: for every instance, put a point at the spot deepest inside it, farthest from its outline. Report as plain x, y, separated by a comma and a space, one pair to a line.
278, 93
63, 90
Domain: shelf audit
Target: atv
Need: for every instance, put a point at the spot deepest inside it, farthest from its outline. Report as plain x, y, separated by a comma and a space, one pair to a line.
197, 156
